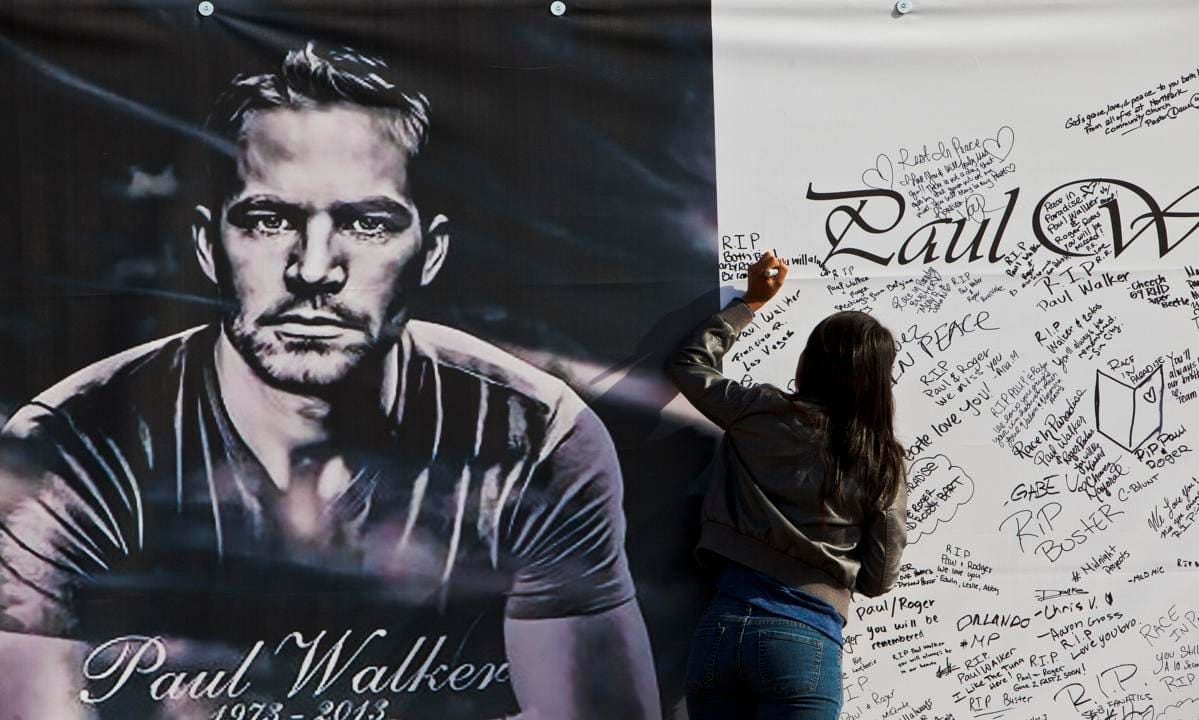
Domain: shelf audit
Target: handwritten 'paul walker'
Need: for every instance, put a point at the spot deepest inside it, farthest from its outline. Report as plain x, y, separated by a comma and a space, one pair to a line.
111, 665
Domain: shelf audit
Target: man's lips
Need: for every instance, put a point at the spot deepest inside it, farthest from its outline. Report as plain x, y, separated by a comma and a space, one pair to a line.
311, 325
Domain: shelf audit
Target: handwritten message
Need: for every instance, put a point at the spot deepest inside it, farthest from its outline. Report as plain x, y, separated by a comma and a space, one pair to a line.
947, 178
1152, 106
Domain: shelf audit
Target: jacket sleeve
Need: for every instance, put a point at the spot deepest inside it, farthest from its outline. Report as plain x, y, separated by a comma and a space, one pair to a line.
884, 537
693, 366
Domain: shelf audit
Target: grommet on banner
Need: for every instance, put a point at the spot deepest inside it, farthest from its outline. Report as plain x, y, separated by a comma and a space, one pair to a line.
903, 7
205, 8
558, 8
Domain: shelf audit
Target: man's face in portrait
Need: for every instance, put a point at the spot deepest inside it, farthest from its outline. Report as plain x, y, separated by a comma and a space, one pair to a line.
321, 243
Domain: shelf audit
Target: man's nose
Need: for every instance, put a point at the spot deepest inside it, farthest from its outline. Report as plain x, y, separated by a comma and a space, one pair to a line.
316, 262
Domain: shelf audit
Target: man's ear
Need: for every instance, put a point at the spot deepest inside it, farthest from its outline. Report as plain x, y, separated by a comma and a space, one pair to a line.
202, 239
437, 244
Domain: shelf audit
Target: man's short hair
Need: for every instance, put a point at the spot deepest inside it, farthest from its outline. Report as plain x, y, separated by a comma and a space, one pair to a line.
310, 77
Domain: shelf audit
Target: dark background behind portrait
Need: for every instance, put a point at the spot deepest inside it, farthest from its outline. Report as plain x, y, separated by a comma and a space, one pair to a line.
573, 154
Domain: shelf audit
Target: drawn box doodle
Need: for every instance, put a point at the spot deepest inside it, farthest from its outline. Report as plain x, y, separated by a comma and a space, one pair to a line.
1129, 415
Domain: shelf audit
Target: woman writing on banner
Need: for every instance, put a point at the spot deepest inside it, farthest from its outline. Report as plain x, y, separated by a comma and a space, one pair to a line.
807, 505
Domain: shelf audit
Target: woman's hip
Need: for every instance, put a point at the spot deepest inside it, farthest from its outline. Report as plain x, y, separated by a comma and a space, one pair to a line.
737, 646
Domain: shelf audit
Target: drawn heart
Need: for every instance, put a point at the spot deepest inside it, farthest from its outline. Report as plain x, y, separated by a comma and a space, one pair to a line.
1000, 146
882, 175
1150, 395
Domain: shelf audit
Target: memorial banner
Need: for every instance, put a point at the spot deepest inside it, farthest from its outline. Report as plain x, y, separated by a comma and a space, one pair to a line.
333, 340
333, 345
1011, 188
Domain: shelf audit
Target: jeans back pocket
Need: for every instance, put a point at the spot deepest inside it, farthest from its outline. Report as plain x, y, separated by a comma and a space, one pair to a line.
789, 662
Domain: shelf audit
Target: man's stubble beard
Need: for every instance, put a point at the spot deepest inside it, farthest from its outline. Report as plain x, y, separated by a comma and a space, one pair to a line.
267, 355
305, 366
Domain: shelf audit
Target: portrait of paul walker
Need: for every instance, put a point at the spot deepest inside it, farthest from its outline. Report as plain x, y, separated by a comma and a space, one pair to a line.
317, 492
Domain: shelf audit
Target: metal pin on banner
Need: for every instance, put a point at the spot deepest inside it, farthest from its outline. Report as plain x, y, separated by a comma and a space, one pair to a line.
903, 7
558, 8
205, 9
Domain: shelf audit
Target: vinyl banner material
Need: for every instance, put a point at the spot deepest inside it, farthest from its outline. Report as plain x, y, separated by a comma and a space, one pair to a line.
333, 345
1011, 188
333, 342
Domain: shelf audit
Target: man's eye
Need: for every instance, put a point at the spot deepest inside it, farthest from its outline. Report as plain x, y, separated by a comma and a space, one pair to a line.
370, 226
271, 223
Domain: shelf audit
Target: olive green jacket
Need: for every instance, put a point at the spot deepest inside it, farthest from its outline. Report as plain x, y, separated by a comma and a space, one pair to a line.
763, 508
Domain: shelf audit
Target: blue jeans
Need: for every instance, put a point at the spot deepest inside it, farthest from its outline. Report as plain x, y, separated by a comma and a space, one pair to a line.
748, 665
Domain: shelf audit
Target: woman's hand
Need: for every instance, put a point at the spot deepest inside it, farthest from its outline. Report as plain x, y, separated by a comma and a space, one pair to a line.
763, 284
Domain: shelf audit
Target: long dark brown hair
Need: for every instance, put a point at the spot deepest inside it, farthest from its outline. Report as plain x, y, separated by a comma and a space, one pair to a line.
845, 370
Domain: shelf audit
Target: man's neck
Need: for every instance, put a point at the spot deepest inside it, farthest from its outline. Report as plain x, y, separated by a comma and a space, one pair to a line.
283, 427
